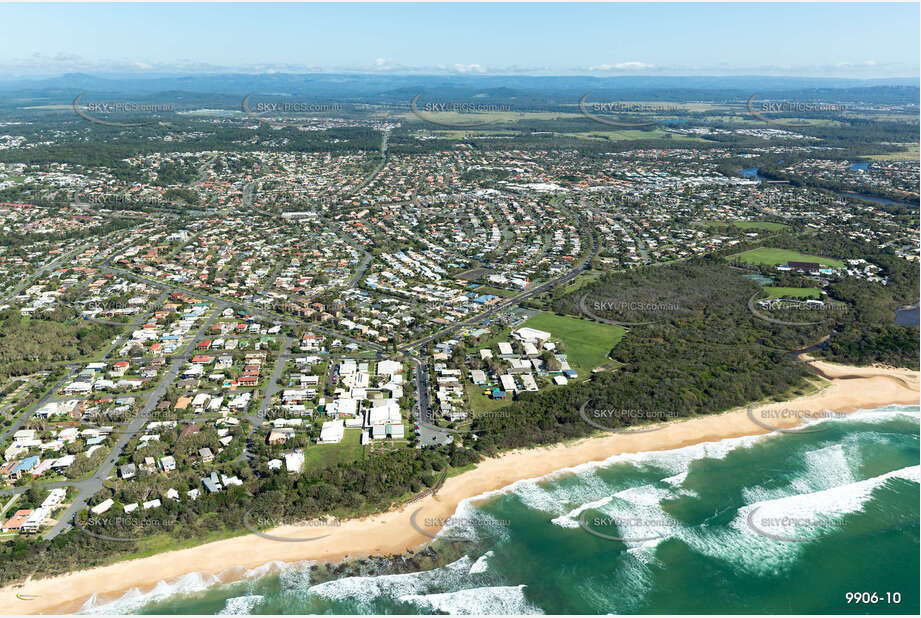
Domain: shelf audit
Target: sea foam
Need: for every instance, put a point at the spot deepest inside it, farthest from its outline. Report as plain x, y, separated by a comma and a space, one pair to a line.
490, 601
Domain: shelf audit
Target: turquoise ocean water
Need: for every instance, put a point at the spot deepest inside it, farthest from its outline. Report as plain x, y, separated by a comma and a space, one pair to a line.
784, 523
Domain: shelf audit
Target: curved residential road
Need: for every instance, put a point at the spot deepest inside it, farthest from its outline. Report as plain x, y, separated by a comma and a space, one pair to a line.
256, 419
89, 487
21, 420
509, 302
50, 266
422, 412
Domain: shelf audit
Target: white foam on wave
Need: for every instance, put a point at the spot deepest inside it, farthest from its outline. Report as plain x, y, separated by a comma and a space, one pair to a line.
481, 564
622, 589
488, 601
363, 590
541, 494
557, 500
810, 515
571, 519
469, 522
825, 468
831, 502
191, 583
676, 480
276, 566
871, 415
296, 576
135, 599
240, 605
638, 517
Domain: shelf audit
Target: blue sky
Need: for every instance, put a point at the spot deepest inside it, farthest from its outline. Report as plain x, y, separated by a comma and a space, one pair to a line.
842, 40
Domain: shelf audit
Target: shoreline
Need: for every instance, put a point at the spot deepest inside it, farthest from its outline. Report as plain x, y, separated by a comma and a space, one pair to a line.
392, 532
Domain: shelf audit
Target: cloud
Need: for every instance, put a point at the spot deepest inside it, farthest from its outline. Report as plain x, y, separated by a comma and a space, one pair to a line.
469, 68
851, 65
624, 66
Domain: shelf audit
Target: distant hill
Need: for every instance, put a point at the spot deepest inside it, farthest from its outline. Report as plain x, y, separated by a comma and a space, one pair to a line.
387, 88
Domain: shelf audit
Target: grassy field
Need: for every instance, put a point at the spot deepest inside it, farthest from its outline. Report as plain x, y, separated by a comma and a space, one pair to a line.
461, 133
741, 116
910, 153
322, 455
774, 257
486, 289
779, 292
587, 343
769, 226
617, 135
479, 402
582, 280
663, 107
488, 116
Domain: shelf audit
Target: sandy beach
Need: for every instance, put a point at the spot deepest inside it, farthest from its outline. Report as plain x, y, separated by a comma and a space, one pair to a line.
849, 389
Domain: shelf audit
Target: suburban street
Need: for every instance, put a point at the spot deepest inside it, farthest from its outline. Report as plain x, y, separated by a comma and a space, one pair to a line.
88, 487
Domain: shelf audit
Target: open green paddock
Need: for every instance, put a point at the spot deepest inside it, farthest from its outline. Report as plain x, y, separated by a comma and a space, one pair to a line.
587, 343
775, 257
780, 292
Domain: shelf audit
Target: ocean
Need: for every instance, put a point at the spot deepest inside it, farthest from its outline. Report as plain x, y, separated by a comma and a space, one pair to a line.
783, 523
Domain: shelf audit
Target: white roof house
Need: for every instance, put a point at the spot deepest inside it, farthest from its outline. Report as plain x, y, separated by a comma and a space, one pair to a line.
102, 507
54, 498
528, 381
343, 407
24, 435
383, 411
332, 432
531, 335
34, 521
388, 367
294, 461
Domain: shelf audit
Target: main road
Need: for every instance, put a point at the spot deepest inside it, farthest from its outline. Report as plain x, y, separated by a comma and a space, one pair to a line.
430, 433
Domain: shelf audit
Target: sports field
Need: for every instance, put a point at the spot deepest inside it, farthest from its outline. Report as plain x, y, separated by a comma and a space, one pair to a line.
774, 257
769, 226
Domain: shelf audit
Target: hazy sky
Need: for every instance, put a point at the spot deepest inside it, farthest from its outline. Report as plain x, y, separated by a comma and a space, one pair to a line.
844, 40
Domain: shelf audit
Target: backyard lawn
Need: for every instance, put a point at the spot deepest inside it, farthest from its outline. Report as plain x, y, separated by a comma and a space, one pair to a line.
323, 455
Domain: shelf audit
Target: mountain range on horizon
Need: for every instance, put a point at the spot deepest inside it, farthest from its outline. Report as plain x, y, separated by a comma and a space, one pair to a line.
357, 87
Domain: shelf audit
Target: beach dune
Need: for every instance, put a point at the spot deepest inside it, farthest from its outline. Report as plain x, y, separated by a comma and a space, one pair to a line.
848, 389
